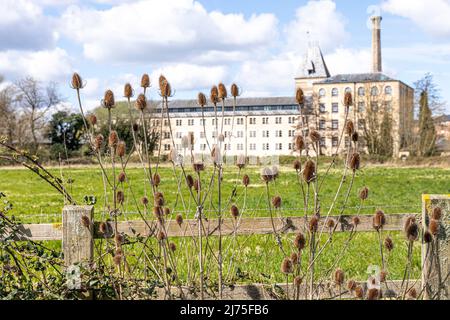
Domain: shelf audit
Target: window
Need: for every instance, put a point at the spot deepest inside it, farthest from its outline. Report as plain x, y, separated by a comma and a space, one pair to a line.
213, 122
265, 146
252, 134
374, 91
166, 123
227, 121
335, 92
291, 120
240, 134
347, 141
278, 133
322, 124
361, 106
179, 122
202, 135
279, 146
265, 134
240, 146
291, 133
335, 124
334, 141
203, 147
361, 124
334, 107
252, 146
166, 135
388, 106
179, 135
202, 122
265, 120
322, 142
278, 120
252, 120
361, 91
240, 121
190, 122
322, 108
290, 146
388, 90
322, 93
374, 106
214, 134
348, 89
166, 147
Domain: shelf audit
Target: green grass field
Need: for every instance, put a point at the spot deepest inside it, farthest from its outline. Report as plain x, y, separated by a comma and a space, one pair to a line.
394, 190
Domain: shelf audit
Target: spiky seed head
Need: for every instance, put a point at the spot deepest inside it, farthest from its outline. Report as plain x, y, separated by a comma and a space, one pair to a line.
355, 161
388, 244
166, 89
135, 127
299, 96
166, 211
141, 102
314, 135
330, 223
121, 177
144, 201
383, 275
364, 193
197, 185
104, 227
359, 292
300, 241
161, 236
240, 161
373, 294
309, 171
156, 180
299, 143
339, 277
434, 227
348, 99
172, 247
234, 90
351, 285
222, 90
201, 99
297, 165
161, 81
297, 281
108, 99
356, 221
189, 181
120, 197
294, 258
77, 82
158, 212
349, 128
437, 213
85, 221
266, 174
286, 266
427, 237
128, 91
113, 139
379, 220
246, 180
92, 118
121, 148
412, 294
214, 95
199, 166
234, 211
118, 238
159, 199
179, 219
411, 229
145, 81
355, 136
313, 223
276, 202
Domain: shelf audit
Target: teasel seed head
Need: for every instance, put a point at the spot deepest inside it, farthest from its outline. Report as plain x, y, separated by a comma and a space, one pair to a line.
411, 229
240, 161
351, 285
98, 141
246, 180
222, 90
214, 95
313, 223
135, 127
383, 275
348, 99
158, 212
299, 143
339, 277
179, 219
356, 221
388, 244
166, 211
104, 227
235, 90
297, 165
379, 220
172, 247
128, 91
200, 166
330, 223
412, 294
234, 211
92, 118
121, 148
294, 258
286, 266
300, 241
117, 259
359, 292
113, 139
108, 99
197, 185
118, 238
156, 180
85, 221
266, 174
427, 237
201, 99
141, 102
355, 161
77, 82
297, 281
121, 177
299, 96
355, 136
189, 181
434, 227
120, 197
159, 199
373, 294
437, 213
161, 81
276, 202
314, 136
350, 128
161, 236
309, 171
144, 201
145, 81
364, 193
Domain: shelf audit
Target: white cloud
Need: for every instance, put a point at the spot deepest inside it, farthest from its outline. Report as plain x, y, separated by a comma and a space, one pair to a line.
23, 25
344, 60
431, 15
163, 31
45, 65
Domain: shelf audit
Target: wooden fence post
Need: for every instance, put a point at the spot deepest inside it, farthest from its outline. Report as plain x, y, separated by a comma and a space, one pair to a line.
77, 238
436, 254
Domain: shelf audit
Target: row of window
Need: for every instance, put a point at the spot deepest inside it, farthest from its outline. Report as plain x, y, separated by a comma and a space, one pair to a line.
228, 121
374, 91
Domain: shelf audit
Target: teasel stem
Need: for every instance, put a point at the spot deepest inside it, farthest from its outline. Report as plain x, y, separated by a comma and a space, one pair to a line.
275, 232
160, 135
407, 268
146, 152
200, 236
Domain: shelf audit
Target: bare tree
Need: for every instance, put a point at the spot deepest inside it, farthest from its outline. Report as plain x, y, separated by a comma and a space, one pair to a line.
435, 102
36, 100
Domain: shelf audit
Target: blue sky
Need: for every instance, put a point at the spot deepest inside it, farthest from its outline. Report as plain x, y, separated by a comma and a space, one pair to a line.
256, 43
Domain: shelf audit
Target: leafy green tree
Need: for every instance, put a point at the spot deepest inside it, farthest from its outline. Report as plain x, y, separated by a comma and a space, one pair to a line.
427, 130
386, 144
66, 129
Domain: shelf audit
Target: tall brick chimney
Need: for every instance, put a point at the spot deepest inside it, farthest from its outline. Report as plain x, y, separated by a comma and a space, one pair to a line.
376, 44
